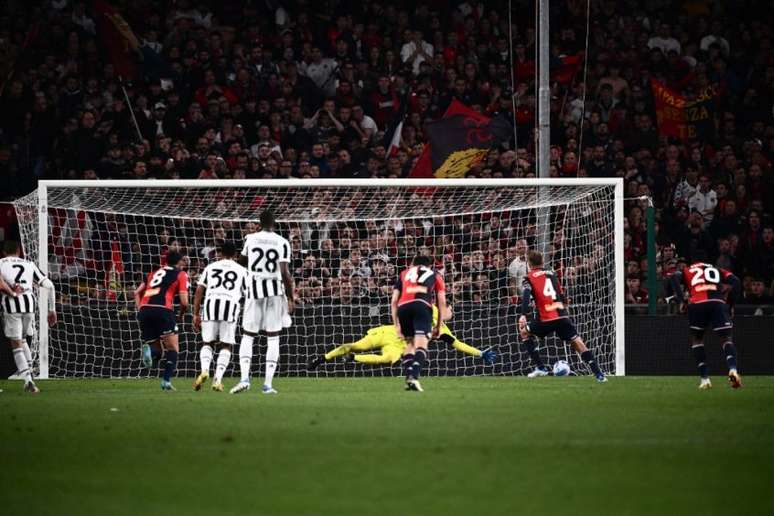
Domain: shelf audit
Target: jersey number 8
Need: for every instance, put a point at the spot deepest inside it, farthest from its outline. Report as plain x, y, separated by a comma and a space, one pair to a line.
158, 277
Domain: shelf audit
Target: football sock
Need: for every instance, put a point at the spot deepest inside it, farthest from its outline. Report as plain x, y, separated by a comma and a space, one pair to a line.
272, 356
221, 364
420, 356
205, 356
245, 357
169, 367
22, 365
701, 359
730, 350
588, 357
27, 351
408, 360
339, 351
530, 345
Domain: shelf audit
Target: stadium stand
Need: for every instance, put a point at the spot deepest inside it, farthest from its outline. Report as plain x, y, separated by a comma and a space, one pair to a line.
301, 89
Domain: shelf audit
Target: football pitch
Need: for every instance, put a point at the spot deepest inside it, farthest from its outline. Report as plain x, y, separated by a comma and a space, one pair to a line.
342, 446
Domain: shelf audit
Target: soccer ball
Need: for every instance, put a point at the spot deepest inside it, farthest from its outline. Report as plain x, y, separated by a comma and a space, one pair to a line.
561, 368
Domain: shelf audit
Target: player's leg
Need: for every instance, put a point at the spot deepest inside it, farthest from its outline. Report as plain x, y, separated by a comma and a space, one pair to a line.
588, 357
227, 336
171, 345
276, 318
344, 349
251, 321
529, 342
697, 321
423, 327
729, 351
390, 354
209, 338
14, 328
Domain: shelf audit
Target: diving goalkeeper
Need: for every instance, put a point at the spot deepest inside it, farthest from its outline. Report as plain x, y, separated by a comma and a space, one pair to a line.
391, 345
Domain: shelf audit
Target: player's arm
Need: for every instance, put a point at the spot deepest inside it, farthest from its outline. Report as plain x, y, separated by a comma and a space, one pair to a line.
526, 297
676, 281
488, 355
47, 284
182, 292
138, 292
736, 287
198, 296
6, 289
440, 299
290, 287
394, 308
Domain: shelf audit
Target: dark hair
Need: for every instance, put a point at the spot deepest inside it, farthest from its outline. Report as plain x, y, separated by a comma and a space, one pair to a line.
267, 219
10, 247
535, 259
422, 260
228, 249
173, 259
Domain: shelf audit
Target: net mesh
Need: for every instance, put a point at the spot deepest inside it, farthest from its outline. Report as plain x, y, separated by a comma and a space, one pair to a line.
348, 244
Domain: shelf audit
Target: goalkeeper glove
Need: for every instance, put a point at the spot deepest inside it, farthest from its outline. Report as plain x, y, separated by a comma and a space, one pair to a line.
489, 355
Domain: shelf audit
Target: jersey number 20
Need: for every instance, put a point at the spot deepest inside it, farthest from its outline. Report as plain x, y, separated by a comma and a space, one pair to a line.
704, 275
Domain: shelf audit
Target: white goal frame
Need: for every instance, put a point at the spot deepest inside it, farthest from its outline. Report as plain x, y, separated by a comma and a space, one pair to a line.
617, 183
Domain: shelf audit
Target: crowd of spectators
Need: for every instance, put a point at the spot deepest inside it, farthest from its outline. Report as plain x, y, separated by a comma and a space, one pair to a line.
300, 89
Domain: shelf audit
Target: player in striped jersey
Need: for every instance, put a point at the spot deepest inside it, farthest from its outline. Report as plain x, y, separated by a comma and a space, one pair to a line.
19, 307
268, 299
220, 285
155, 300
708, 289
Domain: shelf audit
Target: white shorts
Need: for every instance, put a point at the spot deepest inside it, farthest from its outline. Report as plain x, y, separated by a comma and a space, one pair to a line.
219, 331
18, 326
266, 314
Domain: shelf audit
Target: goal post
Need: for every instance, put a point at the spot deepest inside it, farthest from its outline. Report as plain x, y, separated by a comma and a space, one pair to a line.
349, 238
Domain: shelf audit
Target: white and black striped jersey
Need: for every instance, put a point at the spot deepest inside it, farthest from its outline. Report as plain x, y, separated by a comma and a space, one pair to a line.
265, 250
225, 281
18, 271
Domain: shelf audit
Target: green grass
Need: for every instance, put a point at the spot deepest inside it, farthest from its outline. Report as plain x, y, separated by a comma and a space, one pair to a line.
468, 446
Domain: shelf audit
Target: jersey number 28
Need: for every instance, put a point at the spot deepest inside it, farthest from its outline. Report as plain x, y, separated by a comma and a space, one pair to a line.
264, 260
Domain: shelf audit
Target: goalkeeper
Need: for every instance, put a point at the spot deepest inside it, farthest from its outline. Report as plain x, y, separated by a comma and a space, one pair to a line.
391, 345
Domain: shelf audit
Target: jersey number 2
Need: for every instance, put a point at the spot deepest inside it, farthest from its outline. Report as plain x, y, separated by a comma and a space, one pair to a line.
19, 274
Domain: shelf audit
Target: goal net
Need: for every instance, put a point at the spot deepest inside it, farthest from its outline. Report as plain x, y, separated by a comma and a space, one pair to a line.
98, 240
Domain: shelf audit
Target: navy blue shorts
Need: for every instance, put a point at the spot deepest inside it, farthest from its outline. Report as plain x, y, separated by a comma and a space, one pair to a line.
156, 322
564, 328
415, 318
710, 314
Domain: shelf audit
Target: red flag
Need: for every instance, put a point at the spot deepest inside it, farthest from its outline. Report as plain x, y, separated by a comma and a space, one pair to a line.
115, 44
459, 141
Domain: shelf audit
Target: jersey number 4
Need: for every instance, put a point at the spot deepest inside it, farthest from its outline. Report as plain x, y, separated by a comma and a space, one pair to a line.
413, 275
548, 289
264, 260
704, 275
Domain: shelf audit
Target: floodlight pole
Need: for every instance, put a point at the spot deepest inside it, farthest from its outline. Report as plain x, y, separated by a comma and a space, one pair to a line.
544, 120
